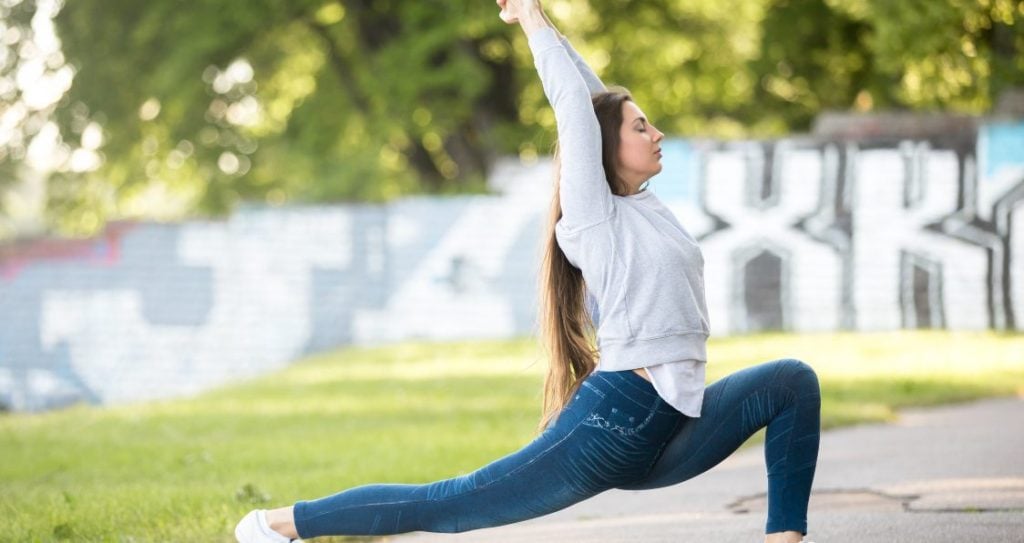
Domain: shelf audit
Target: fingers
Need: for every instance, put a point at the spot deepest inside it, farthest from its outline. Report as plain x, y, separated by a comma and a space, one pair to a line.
508, 13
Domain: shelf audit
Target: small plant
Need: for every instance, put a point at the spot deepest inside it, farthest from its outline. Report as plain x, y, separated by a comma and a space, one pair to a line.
63, 531
250, 493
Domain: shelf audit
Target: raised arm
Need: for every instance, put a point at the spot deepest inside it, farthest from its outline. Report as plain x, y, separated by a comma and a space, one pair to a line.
593, 82
584, 194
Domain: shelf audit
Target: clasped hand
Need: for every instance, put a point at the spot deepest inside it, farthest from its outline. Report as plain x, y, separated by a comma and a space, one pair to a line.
511, 10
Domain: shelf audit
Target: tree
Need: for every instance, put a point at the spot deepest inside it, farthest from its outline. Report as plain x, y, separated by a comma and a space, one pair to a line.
940, 55
205, 104
299, 100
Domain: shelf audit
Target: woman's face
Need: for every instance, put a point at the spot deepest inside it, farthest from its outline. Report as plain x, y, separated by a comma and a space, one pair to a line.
639, 157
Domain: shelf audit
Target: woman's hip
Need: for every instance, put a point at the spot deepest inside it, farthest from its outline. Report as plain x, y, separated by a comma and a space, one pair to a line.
618, 427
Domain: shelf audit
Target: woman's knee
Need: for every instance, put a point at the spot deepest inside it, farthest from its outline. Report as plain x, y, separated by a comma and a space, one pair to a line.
800, 375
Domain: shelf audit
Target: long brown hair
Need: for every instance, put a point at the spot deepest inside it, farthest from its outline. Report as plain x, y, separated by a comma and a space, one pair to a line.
566, 328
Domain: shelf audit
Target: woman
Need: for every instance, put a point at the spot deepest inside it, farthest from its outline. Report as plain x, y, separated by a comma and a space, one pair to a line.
637, 416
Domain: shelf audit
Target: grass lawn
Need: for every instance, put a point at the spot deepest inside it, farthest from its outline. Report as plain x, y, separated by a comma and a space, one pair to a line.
188, 469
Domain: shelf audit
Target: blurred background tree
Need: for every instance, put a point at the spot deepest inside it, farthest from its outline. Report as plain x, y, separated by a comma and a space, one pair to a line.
167, 109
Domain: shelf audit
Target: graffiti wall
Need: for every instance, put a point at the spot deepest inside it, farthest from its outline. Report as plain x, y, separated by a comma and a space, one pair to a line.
797, 234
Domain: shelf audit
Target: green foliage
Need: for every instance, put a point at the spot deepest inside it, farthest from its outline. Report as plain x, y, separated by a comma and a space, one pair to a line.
949, 54
813, 58
366, 100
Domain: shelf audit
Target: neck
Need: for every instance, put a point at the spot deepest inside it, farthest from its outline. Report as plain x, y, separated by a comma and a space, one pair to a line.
632, 184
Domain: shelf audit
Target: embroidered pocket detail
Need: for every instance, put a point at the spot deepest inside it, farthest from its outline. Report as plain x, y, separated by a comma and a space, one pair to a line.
619, 422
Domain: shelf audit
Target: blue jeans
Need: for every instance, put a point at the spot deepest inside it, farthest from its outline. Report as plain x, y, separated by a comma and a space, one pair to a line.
616, 432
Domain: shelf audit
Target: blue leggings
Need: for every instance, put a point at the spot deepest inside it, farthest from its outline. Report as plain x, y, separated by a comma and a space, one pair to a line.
616, 432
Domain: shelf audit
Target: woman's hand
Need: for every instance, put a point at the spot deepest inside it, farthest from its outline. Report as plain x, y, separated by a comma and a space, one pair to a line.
505, 15
513, 10
508, 13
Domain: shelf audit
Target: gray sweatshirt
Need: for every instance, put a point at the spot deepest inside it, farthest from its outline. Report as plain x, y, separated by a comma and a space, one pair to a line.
643, 269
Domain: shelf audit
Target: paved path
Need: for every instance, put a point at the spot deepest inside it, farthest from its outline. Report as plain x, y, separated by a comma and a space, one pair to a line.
953, 473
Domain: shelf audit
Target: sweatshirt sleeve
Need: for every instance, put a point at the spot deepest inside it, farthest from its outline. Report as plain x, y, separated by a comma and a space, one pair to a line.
584, 194
593, 82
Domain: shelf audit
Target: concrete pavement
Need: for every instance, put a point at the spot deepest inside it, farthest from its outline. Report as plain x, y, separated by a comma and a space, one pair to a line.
953, 473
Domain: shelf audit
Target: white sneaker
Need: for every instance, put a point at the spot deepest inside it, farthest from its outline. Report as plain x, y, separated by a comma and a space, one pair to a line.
253, 528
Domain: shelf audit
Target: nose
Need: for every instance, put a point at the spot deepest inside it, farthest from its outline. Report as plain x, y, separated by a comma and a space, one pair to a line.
658, 134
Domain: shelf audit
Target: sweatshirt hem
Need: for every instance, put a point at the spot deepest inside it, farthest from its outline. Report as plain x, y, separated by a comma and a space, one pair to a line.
634, 354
